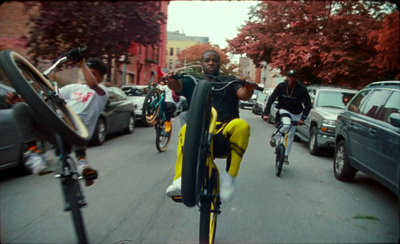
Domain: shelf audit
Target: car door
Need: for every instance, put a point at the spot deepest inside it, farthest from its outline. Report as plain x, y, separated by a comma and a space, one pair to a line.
367, 127
353, 122
111, 112
305, 129
125, 109
387, 144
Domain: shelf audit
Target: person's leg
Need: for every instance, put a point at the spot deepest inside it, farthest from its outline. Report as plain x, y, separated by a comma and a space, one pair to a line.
175, 188
170, 110
294, 117
32, 130
83, 167
237, 132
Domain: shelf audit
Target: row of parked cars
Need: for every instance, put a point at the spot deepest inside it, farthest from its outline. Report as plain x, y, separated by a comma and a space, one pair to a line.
362, 126
122, 111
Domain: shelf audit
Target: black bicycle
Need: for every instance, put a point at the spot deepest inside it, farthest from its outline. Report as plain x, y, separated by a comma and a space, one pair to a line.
281, 144
40, 94
200, 176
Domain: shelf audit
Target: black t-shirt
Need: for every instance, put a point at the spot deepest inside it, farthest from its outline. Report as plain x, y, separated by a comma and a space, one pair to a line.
290, 100
225, 102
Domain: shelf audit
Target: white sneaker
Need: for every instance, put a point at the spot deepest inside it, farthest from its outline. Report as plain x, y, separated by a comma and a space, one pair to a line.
286, 160
37, 163
175, 188
86, 171
227, 187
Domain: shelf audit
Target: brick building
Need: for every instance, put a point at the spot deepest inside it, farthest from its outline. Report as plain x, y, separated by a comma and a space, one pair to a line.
14, 24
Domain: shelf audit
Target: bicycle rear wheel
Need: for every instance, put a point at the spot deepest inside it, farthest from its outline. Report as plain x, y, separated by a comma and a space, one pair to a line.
162, 138
280, 156
39, 94
150, 110
196, 148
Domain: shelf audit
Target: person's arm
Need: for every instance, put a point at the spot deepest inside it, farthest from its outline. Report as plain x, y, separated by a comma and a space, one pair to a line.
174, 84
90, 80
271, 100
244, 93
307, 105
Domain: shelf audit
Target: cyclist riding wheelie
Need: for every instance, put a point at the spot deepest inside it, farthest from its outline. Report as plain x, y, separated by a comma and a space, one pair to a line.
292, 95
86, 100
233, 133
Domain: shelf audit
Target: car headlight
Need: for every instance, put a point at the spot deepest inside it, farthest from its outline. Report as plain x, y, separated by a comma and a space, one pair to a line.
328, 125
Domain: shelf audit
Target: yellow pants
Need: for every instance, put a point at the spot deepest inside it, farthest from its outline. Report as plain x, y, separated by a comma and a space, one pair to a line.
236, 134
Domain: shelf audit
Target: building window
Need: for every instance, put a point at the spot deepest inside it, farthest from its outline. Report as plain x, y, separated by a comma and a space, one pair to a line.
171, 51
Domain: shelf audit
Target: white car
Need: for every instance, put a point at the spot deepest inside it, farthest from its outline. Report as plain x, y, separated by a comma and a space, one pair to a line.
136, 93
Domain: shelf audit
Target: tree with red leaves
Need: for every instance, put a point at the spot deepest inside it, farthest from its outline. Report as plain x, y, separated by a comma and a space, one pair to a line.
193, 54
326, 41
107, 28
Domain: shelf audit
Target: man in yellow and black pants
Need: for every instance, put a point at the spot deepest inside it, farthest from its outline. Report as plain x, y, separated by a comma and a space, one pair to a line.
232, 135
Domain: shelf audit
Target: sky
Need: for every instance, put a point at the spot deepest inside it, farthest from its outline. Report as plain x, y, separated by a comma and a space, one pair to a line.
218, 20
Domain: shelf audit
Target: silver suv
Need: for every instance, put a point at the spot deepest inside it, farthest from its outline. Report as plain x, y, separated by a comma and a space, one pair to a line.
327, 103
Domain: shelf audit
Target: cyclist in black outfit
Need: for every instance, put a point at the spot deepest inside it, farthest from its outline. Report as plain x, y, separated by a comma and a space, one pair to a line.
293, 101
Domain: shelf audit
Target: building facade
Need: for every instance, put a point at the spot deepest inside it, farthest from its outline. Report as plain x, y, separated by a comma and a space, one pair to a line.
14, 24
176, 42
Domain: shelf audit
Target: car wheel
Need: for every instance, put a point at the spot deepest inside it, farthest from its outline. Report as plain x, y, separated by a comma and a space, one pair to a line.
100, 132
312, 142
131, 125
341, 165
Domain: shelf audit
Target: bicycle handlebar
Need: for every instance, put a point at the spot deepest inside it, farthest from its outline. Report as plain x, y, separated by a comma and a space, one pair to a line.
242, 82
63, 58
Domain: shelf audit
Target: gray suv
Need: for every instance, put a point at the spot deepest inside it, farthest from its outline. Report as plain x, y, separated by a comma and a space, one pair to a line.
368, 135
319, 128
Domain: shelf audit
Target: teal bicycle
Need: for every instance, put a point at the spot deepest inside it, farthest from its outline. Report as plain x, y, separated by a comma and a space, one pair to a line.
155, 113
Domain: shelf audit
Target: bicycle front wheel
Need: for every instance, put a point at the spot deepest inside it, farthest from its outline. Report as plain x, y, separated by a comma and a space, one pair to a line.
151, 106
280, 156
162, 138
39, 94
197, 146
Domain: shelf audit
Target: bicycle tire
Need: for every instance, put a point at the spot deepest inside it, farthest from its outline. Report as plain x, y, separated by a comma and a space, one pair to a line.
69, 126
195, 149
150, 112
162, 138
209, 210
280, 156
208, 222
70, 188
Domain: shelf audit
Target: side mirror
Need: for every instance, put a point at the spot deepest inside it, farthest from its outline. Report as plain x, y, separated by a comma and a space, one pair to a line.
394, 119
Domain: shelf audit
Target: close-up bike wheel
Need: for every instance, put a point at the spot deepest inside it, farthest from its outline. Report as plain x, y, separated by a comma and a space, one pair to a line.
39, 94
150, 108
209, 210
162, 138
280, 156
196, 149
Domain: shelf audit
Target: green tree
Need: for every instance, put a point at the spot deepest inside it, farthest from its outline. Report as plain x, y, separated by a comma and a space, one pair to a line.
107, 28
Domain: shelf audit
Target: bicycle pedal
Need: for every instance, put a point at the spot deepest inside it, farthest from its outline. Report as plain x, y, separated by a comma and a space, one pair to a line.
91, 175
177, 198
45, 172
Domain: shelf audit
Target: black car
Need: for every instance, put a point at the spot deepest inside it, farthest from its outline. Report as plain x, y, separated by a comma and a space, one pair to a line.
118, 115
368, 135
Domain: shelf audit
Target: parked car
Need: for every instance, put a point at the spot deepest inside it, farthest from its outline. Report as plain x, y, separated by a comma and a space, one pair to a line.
319, 128
248, 103
118, 115
11, 140
367, 136
260, 99
181, 106
137, 94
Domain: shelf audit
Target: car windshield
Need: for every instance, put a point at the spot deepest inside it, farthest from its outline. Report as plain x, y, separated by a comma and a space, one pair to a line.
134, 91
334, 99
